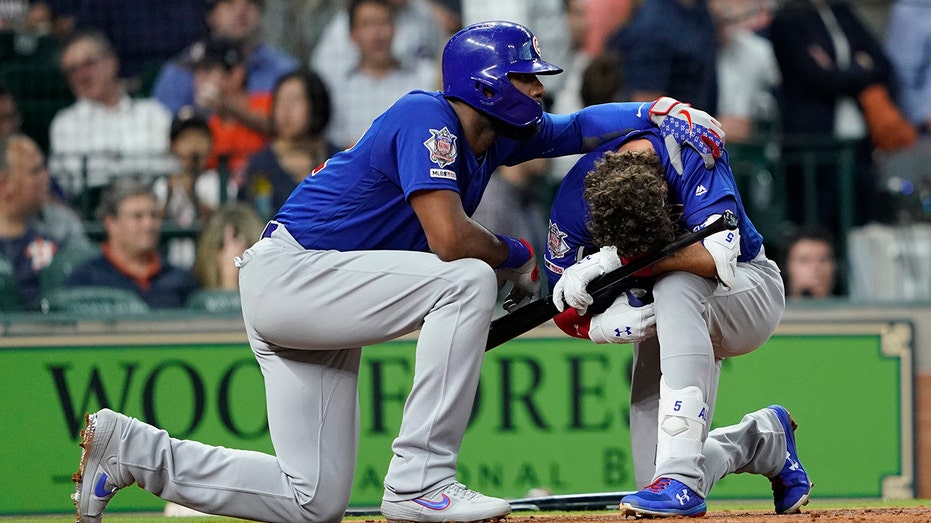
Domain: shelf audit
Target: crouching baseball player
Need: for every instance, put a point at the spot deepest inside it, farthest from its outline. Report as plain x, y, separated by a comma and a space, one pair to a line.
712, 300
374, 244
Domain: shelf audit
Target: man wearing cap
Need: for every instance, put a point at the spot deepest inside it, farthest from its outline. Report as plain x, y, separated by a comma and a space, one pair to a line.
238, 120
237, 21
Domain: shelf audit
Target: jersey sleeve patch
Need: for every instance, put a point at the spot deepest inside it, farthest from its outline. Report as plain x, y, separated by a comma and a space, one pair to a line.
556, 242
442, 173
442, 147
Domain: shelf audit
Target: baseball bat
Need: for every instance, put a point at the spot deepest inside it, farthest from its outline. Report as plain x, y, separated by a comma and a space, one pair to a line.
537, 312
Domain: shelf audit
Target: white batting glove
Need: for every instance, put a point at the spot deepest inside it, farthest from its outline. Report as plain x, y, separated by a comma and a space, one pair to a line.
571, 289
623, 323
679, 123
526, 280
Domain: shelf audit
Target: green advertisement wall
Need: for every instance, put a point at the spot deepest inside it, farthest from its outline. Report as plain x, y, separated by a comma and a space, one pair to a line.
551, 412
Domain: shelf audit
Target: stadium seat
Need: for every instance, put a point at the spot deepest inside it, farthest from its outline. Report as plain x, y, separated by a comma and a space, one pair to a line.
91, 301
214, 300
9, 290
65, 260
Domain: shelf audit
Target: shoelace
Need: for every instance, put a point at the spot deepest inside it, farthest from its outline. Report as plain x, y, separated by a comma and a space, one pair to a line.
659, 485
461, 491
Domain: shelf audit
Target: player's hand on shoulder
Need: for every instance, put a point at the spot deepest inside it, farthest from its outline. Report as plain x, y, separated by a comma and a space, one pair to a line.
627, 320
572, 287
681, 124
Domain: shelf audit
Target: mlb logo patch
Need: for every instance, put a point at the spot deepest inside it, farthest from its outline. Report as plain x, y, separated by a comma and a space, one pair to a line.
442, 147
442, 173
556, 242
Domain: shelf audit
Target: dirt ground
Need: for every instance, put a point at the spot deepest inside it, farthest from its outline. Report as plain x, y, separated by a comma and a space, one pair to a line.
866, 515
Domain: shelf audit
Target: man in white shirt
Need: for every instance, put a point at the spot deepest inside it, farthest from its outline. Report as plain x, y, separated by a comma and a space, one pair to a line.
379, 78
418, 37
114, 134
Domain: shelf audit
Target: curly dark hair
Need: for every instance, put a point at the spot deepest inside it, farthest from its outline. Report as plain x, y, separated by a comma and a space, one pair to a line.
626, 195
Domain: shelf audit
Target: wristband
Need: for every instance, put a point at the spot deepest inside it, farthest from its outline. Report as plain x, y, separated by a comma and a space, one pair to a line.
519, 251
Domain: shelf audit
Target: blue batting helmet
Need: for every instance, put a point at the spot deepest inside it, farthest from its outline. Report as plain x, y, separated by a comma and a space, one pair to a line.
476, 63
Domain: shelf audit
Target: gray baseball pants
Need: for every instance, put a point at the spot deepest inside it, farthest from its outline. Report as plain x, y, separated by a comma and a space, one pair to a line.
698, 324
307, 315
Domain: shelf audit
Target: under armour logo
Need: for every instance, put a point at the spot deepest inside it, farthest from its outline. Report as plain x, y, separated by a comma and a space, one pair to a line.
683, 497
618, 332
794, 465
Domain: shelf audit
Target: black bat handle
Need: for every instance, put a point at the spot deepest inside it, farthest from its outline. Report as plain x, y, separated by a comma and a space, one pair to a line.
727, 221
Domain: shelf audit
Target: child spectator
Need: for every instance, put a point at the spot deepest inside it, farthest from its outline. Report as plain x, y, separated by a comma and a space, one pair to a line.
190, 194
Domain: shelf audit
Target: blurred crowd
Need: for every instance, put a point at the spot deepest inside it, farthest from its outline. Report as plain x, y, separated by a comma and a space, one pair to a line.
144, 144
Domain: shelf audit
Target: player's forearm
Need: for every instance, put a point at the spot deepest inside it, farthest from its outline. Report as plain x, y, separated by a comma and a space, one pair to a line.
694, 259
600, 123
468, 240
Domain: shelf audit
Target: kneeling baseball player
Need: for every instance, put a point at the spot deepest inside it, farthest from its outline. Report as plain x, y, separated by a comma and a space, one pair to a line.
712, 300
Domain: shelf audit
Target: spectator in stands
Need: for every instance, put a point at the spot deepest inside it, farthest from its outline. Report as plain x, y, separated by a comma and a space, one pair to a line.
144, 33
236, 20
33, 228
10, 117
239, 122
905, 174
13, 14
604, 18
295, 26
114, 134
828, 60
227, 234
448, 14
300, 114
378, 79
748, 74
192, 192
418, 37
908, 44
130, 258
665, 50
810, 265
569, 98
547, 17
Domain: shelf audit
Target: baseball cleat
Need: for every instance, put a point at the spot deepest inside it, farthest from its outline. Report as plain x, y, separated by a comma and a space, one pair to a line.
666, 497
792, 486
97, 479
453, 502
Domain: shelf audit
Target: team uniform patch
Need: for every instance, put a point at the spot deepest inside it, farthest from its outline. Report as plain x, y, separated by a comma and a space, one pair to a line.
556, 242
443, 173
442, 147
